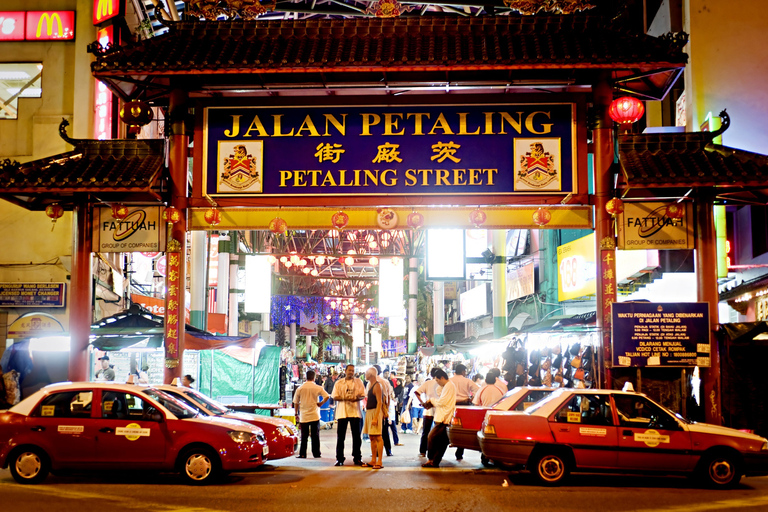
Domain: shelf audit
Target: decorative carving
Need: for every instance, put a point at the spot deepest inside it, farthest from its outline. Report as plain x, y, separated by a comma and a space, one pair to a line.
531, 7
608, 243
7, 165
243, 9
725, 123
675, 40
388, 8
63, 132
173, 245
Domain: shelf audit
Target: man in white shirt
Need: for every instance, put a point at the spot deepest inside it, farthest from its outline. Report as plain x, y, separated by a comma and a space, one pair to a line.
308, 411
500, 383
427, 393
445, 407
348, 392
488, 394
465, 390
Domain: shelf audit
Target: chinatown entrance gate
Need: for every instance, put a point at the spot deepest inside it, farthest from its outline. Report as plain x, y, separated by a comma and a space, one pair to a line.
399, 125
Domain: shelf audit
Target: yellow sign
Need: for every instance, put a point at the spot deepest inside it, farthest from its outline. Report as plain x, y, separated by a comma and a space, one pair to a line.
574, 417
48, 19
577, 271
656, 226
651, 438
132, 431
47, 410
34, 325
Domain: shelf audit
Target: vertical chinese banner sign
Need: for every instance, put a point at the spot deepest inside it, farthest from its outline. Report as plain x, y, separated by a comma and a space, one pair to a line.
608, 286
173, 299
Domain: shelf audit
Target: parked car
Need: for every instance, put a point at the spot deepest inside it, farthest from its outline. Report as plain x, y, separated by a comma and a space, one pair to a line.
282, 435
98, 426
468, 420
614, 431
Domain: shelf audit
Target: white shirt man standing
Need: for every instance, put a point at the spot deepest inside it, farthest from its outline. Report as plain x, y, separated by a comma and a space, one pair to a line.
308, 410
348, 392
465, 390
445, 407
427, 395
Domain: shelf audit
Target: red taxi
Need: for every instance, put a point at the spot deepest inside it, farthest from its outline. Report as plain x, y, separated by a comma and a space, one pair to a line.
282, 435
468, 420
614, 431
96, 426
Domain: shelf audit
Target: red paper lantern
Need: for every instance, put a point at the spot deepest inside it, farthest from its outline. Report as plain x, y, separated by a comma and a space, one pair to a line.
212, 216
675, 211
386, 218
119, 211
340, 220
415, 220
615, 206
171, 215
136, 114
54, 212
541, 217
278, 225
626, 110
477, 217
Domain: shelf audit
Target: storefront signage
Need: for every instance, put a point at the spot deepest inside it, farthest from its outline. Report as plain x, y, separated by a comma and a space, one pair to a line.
102, 108
390, 150
140, 231
520, 282
474, 303
656, 226
32, 295
34, 325
661, 334
37, 25
104, 10
576, 268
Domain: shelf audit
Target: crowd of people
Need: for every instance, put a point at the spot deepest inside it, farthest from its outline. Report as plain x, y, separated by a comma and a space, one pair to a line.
371, 406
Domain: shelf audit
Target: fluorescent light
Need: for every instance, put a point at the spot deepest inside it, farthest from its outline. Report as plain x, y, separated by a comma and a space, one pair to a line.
258, 290
14, 75
49, 344
390, 287
29, 92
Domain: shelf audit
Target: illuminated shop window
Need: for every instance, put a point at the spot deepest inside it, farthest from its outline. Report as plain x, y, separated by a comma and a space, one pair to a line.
18, 80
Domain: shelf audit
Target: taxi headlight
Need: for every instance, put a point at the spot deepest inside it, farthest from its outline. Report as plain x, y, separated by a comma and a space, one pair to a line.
764, 447
293, 429
240, 436
283, 431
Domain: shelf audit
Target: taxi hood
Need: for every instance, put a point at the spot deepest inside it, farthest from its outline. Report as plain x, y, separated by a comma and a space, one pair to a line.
249, 417
227, 423
706, 428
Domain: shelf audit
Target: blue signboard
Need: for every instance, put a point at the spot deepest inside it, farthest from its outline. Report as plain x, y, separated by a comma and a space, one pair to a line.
390, 150
28, 295
661, 334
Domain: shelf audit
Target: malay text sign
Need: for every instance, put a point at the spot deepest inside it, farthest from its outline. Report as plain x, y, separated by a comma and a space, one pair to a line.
28, 295
661, 334
390, 150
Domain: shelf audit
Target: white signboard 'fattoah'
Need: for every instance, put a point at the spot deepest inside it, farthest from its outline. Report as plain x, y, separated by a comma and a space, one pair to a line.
138, 232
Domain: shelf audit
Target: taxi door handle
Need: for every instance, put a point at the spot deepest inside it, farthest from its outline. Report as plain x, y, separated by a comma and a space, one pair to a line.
37, 429
565, 429
107, 430
627, 433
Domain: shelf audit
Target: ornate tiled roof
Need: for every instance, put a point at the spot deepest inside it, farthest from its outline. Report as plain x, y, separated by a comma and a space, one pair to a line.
688, 160
406, 43
111, 170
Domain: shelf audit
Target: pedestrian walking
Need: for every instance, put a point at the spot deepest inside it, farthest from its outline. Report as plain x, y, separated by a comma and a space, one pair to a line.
374, 418
387, 395
465, 390
427, 395
308, 411
445, 407
348, 393
405, 400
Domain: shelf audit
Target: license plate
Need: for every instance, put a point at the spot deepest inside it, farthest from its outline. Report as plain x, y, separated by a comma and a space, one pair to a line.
266, 450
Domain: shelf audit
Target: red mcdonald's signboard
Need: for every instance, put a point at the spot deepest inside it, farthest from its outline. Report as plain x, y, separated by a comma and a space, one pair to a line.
104, 10
50, 25
12, 25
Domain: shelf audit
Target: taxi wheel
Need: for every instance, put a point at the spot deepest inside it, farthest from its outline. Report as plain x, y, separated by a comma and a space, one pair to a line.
550, 468
29, 466
720, 471
200, 466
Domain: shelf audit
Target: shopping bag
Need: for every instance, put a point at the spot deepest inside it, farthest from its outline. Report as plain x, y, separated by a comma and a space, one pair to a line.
405, 417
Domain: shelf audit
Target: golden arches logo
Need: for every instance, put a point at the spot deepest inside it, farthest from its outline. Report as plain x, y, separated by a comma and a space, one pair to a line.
49, 19
104, 9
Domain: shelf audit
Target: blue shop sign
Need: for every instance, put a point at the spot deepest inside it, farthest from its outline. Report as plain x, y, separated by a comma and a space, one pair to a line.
390, 150
661, 334
29, 295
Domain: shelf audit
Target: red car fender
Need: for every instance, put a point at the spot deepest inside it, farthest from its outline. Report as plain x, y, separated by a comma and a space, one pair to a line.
520, 426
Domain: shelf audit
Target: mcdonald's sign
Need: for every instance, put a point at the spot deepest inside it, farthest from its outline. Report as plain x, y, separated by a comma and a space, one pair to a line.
104, 10
50, 25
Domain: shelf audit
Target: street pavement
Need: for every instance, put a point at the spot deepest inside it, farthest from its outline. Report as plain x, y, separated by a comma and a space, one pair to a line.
300, 485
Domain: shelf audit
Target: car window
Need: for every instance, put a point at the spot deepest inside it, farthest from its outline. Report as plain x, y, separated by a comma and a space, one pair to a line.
179, 409
127, 406
586, 410
67, 404
639, 412
531, 398
203, 402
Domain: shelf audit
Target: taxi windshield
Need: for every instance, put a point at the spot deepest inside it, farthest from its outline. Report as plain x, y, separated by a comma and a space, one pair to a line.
203, 402
177, 407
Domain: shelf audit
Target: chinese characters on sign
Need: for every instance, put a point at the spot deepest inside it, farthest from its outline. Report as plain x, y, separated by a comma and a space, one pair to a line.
666, 334
608, 285
376, 150
173, 301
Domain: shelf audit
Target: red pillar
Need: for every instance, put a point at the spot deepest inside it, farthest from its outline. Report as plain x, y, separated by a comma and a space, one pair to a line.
706, 280
80, 293
605, 241
177, 236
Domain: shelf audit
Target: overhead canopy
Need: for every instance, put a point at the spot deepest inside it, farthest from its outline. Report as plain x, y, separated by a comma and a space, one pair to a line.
138, 328
746, 333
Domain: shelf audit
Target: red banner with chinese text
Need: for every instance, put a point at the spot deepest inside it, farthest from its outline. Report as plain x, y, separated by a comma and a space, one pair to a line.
174, 300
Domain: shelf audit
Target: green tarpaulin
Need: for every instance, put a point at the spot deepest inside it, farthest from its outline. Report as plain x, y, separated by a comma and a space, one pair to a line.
226, 377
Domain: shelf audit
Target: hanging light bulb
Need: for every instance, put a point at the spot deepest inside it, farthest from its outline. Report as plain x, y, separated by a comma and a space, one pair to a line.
351, 251
327, 317
320, 260
373, 261
302, 262
352, 236
283, 259
341, 317
367, 316
350, 260
271, 259
395, 260
288, 264
373, 244
332, 304
314, 272
305, 270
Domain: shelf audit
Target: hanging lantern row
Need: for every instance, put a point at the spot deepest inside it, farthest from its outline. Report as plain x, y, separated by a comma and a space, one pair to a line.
278, 226
415, 220
542, 216
675, 211
54, 212
136, 114
212, 216
171, 215
477, 217
626, 110
339, 220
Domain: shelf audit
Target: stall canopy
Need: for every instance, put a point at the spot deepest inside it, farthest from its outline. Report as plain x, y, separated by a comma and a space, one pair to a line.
136, 327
